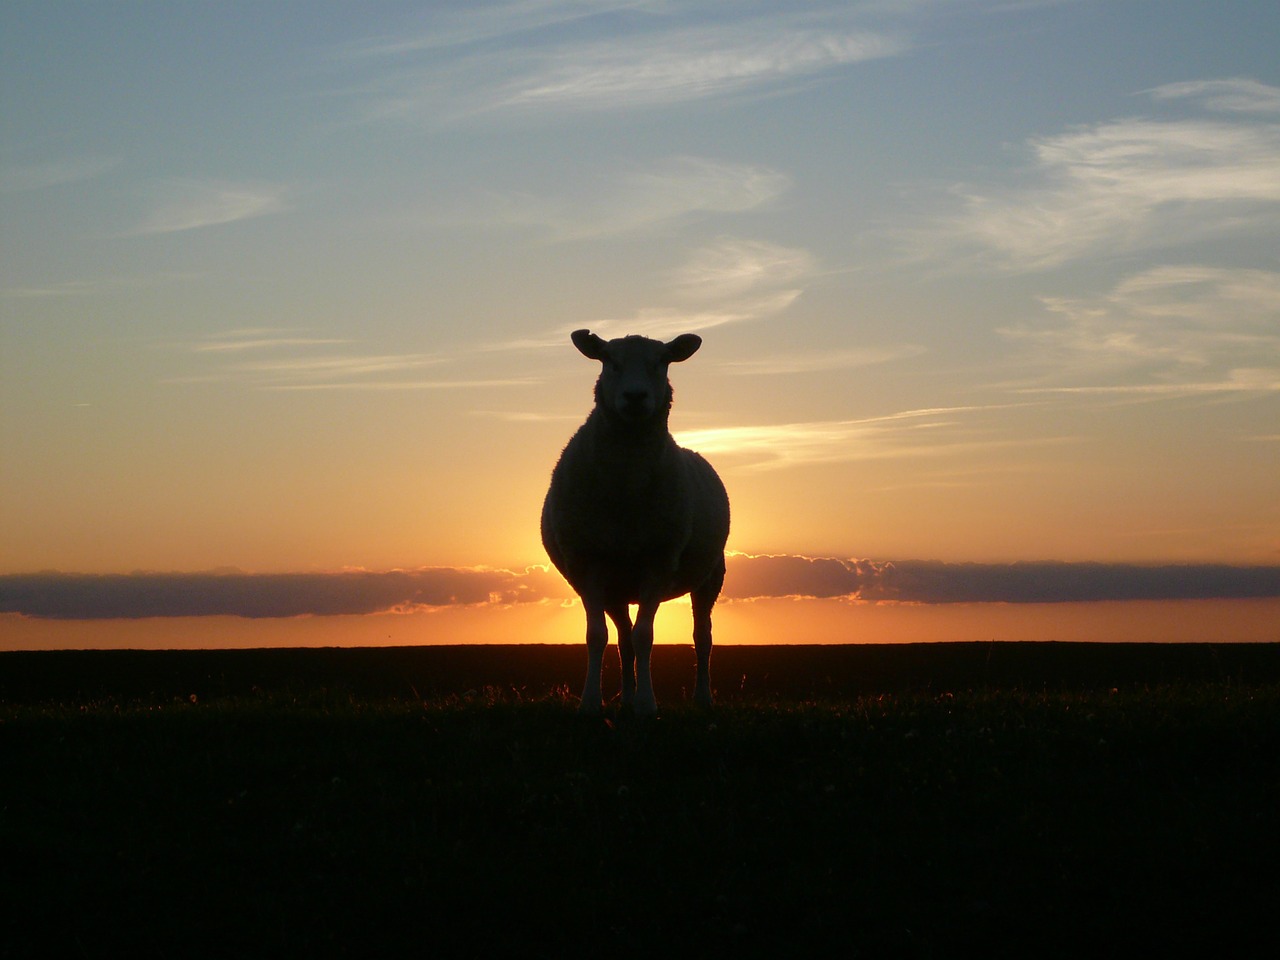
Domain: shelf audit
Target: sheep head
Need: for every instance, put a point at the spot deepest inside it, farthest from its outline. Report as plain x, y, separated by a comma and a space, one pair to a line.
633, 385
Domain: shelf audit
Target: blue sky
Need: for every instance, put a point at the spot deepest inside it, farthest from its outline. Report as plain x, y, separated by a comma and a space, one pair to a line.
288, 287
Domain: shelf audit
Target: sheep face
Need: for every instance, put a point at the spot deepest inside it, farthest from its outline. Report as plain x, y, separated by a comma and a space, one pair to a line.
633, 385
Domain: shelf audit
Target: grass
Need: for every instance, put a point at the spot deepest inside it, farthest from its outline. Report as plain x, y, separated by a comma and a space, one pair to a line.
1085, 820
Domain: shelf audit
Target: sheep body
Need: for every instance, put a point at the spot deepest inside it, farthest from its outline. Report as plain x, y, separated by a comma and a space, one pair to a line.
633, 518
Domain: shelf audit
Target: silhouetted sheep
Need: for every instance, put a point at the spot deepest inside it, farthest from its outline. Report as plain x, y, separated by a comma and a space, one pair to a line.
632, 518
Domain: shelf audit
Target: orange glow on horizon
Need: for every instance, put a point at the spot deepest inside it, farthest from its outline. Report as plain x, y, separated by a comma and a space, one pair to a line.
776, 621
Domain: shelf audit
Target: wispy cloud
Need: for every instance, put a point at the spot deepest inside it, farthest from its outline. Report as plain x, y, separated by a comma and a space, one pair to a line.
257, 338
1253, 381
1239, 95
685, 65
527, 416
658, 196
910, 433
95, 287
471, 24
189, 204
660, 323
1127, 185
521, 57
1170, 330
732, 267
731, 281
387, 386
663, 323
53, 173
66, 288
816, 362
748, 298
277, 360
316, 367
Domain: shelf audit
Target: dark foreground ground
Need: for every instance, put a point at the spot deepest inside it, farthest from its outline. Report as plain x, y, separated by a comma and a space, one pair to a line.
881, 801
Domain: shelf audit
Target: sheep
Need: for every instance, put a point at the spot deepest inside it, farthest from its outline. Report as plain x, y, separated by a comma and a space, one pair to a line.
632, 518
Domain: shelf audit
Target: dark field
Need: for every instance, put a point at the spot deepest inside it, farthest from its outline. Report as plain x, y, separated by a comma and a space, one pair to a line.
1029, 800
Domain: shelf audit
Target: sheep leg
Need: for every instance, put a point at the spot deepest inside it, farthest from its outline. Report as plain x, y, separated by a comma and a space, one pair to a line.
642, 644
702, 649
621, 618
597, 639
703, 599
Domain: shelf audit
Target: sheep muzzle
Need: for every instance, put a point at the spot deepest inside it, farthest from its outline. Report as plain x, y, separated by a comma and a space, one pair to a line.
635, 406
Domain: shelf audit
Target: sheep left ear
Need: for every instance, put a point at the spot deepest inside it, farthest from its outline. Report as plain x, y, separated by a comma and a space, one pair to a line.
683, 347
588, 344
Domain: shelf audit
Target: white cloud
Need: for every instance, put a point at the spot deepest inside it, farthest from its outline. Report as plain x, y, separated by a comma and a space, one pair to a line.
188, 204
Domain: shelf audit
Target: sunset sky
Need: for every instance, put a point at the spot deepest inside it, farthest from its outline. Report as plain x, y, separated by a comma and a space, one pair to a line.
989, 292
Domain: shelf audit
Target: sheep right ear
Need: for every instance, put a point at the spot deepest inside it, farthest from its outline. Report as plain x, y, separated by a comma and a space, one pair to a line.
683, 347
588, 344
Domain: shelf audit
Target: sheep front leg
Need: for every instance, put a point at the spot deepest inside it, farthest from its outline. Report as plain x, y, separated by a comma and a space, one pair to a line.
597, 639
642, 644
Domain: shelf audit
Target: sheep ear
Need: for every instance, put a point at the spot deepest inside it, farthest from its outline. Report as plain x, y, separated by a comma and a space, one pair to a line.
683, 347
588, 344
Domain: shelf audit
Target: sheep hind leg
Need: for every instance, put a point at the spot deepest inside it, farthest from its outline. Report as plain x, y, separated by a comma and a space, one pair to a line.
621, 618
597, 639
645, 704
703, 599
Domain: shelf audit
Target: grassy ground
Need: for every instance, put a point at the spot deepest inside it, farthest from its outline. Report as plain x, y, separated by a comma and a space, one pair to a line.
229, 806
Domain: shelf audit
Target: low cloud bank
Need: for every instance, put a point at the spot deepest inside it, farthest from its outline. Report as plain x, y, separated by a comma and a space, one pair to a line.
926, 581
72, 596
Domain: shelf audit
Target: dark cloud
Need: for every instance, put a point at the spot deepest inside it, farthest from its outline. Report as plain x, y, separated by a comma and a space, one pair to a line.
67, 596
789, 576
922, 581
1072, 582
108, 596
